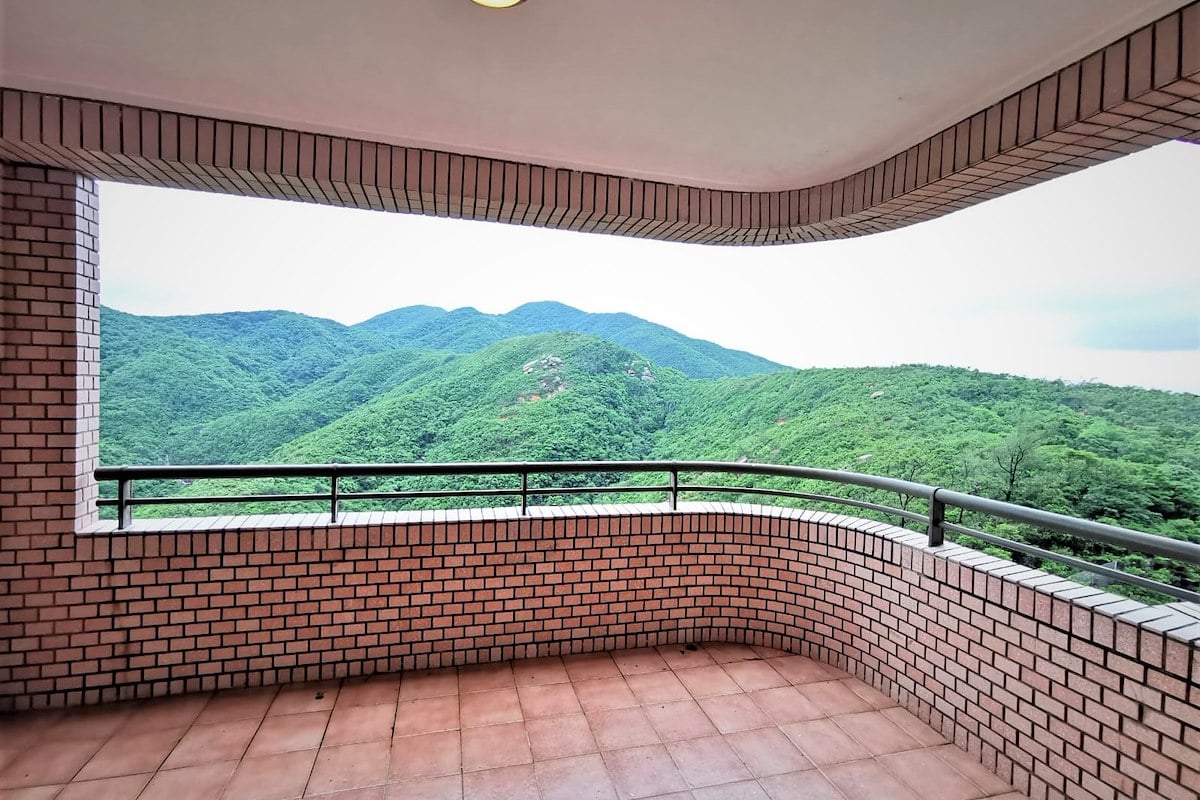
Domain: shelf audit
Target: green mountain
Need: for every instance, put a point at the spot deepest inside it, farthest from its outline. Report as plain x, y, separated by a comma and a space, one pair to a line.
234, 386
275, 387
466, 330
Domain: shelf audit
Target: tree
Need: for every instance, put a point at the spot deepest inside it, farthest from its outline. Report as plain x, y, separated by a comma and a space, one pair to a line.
1017, 457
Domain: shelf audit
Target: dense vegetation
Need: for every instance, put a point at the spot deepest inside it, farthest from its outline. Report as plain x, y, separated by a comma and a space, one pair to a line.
422, 384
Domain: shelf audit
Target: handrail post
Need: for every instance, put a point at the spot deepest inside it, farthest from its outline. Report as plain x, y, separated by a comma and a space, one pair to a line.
124, 508
333, 497
524, 493
937, 515
673, 494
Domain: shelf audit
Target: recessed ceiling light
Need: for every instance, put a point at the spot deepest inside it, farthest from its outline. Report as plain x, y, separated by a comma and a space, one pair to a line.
498, 3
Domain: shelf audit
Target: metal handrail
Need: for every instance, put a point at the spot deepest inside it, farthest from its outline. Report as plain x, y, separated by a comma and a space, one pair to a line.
935, 517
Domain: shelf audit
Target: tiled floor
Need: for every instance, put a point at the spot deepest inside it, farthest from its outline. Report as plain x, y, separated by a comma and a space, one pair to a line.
717, 721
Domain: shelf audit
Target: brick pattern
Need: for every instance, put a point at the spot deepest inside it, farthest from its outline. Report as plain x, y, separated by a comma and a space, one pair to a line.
1141, 90
49, 406
1062, 690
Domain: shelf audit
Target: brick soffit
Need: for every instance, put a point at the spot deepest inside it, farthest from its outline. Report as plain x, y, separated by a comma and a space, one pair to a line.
1141, 90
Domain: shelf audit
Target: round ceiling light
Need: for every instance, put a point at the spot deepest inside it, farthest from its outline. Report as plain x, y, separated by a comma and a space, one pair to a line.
498, 3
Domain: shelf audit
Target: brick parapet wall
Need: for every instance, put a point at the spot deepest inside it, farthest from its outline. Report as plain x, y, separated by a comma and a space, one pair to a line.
1064, 690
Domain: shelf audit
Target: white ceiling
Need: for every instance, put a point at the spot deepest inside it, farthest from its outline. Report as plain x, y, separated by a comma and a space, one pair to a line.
732, 94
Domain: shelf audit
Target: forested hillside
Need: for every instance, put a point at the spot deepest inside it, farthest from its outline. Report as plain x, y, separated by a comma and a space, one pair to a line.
275, 387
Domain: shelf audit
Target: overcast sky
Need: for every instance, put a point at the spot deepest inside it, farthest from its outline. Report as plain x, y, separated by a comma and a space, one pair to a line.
1093, 276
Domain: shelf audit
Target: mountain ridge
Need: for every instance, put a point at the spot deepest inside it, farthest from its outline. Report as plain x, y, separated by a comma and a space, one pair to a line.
466, 329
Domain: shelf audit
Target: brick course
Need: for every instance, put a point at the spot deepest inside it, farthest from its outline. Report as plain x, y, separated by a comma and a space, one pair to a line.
1047, 683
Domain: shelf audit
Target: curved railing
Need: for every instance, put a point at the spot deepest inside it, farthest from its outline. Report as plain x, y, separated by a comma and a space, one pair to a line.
934, 519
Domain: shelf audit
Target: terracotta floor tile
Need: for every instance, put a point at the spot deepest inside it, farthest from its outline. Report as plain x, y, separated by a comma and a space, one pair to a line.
304, 697
549, 700
31, 793
639, 661
786, 704
972, 770
876, 698
728, 652
734, 712
767, 751
823, 742
758, 723
350, 766
280, 776
125, 787
707, 681
289, 732
207, 744
798, 669
807, 785
876, 732
924, 734
427, 715
754, 675
679, 656
517, 782
582, 777
622, 727
867, 780
643, 771
375, 690
131, 754
95, 722
768, 652
707, 761
367, 793
657, 687
447, 787
534, 671
9, 750
834, 697
165, 712
19, 731
929, 776
742, 790
201, 782
353, 724
680, 720
559, 737
429, 755
234, 704
495, 746
52, 762
589, 666
604, 694
485, 677
428, 683
490, 708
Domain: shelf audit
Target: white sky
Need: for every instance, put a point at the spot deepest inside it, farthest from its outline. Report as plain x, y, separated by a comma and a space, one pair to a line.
1093, 276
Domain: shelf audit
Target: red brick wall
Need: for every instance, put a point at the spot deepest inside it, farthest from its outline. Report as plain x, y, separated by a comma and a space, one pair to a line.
49, 396
1082, 697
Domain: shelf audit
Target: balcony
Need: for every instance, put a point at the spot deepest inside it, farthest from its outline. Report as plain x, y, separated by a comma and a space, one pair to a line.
866, 656
112, 636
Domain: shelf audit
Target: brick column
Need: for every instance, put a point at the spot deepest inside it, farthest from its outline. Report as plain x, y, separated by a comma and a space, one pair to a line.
49, 394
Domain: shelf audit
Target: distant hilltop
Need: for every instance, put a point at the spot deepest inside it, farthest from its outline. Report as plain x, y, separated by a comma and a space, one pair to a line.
466, 330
